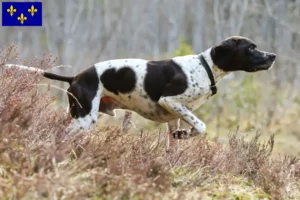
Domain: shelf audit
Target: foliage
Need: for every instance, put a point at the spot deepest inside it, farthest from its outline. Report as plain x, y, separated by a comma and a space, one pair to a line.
183, 48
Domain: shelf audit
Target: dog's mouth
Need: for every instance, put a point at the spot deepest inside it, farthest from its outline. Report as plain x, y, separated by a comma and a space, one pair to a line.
264, 66
272, 64
264, 61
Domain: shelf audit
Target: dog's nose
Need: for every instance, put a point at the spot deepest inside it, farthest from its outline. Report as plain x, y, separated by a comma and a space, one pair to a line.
272, 56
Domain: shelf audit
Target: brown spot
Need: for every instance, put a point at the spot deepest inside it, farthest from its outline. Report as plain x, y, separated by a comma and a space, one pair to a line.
107, 100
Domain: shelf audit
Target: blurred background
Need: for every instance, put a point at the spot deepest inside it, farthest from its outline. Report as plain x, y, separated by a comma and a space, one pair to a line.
81, 33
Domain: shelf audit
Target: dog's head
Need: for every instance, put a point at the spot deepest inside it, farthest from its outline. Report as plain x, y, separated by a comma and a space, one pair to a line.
239, 53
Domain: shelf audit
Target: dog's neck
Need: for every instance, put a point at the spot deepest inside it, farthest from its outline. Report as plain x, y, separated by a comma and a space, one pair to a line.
217, 72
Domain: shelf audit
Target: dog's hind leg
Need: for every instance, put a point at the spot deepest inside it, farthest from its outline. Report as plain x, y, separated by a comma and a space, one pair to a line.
126, 121
171, 127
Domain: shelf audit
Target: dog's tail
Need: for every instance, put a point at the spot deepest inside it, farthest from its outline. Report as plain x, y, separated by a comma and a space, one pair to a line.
68, 79
52, 76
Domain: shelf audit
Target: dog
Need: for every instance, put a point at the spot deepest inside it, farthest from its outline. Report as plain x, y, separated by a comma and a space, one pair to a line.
165, 91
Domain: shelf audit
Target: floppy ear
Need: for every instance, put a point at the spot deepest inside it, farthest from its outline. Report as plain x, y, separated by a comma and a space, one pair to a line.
222, 54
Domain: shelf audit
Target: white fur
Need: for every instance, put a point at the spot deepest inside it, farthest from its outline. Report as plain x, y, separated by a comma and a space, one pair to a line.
23, 67
272, 65
194, 97
86, 123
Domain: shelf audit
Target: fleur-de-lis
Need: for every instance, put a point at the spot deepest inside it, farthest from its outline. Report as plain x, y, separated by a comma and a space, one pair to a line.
11, 10
32, 10
22, 18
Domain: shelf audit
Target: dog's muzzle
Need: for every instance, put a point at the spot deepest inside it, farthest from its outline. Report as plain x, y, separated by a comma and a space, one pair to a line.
271, 57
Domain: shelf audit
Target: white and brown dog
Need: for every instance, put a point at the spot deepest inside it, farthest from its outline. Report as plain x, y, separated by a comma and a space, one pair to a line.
162, 91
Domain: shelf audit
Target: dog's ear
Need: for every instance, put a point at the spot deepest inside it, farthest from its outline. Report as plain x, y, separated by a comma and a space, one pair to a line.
223, 53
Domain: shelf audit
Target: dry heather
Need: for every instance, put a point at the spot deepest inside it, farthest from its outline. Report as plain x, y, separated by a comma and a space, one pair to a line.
106, 164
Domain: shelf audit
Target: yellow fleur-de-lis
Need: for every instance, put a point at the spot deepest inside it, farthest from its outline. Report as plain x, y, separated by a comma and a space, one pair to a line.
11, 10
22, 18
32, 10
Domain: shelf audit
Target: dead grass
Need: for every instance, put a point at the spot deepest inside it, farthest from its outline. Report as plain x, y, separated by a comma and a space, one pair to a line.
106, 164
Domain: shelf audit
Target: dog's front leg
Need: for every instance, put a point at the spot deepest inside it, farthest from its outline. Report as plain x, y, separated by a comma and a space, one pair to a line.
177, 108
86, 122
79, 125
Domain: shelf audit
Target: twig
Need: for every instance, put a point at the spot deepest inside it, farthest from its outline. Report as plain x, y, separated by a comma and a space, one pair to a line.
49, 85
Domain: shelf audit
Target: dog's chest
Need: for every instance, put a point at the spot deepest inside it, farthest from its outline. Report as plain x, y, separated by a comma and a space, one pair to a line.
196, 102
198, 96
198, 90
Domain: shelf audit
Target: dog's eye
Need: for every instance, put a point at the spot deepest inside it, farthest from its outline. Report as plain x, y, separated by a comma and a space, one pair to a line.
252, 47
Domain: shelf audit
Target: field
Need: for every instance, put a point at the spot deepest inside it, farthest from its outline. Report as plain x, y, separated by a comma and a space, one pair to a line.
227, 163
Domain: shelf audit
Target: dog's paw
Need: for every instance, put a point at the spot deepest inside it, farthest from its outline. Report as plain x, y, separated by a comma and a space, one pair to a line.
71, 130
181, 134
185, 133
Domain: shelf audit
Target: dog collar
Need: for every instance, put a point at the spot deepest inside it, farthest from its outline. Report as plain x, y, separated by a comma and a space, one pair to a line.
213, 86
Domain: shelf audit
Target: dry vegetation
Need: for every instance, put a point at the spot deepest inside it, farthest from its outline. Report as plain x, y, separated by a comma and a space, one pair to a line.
107, 164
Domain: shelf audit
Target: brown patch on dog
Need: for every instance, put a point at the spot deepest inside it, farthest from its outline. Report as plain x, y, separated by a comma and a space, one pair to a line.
108, 104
